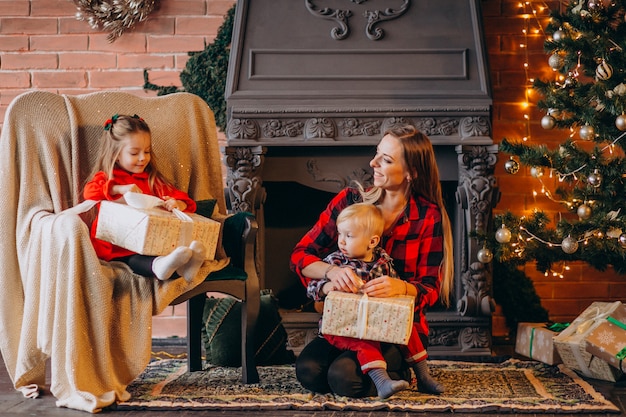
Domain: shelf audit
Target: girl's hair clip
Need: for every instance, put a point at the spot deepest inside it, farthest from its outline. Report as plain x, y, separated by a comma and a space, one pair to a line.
137, 117
109, 123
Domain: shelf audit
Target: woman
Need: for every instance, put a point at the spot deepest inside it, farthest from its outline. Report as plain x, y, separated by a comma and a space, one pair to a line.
417, 236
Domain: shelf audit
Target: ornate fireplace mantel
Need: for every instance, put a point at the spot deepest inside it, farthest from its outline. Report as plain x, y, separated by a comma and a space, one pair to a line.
312, 85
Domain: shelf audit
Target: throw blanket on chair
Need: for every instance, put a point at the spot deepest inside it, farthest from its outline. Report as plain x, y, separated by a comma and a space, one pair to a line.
59, 302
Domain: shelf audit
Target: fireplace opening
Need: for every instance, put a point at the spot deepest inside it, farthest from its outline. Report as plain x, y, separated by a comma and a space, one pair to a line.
290, 210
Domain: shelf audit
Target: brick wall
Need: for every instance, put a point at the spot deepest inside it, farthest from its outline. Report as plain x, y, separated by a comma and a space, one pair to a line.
43, 46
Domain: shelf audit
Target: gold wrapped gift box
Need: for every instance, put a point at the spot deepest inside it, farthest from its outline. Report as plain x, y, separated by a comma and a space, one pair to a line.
534, 340
358, 316
154, 231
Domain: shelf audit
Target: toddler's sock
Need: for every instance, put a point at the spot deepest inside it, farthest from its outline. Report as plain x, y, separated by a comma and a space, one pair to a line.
386, 386
191, 268
425, 382
165, 266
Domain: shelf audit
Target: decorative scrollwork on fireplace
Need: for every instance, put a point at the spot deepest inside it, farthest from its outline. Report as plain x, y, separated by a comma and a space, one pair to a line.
477, 300
341, 18
243, 181
474, 126
476, 184
276, 128
243, 129
376, 16
320, 128
356, 127
474, 337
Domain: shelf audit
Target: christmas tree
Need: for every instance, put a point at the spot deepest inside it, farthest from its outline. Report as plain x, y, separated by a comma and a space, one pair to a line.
585, 104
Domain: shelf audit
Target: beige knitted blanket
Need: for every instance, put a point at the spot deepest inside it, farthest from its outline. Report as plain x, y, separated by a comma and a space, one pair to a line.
58, 301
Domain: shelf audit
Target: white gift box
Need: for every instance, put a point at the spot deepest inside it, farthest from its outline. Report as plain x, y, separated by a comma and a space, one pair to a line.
154, 231
362, 317
571, 342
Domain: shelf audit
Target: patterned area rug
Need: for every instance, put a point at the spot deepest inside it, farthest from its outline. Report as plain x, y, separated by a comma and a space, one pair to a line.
509, 387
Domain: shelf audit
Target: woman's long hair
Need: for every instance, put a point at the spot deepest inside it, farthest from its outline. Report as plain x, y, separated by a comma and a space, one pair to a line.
419, 158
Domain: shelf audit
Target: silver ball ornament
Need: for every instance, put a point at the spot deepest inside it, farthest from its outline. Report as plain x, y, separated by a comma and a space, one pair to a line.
622, 240
536, 172
620, 122
594, 4
558, 35
569, 245
595, 178
503, 235
484, 256
587, 132
548, 122
556, 62
511, 166
584, 211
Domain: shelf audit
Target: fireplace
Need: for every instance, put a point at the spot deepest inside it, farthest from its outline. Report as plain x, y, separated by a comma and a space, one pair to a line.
312, 84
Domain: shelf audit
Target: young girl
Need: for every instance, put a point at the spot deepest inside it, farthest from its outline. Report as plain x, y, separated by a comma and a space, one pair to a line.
126, 163
359, 230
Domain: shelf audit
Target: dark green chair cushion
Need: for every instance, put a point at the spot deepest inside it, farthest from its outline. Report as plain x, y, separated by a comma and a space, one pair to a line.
221, 332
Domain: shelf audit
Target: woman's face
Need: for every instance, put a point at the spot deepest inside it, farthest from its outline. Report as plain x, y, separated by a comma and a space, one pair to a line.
135, 154
390, 171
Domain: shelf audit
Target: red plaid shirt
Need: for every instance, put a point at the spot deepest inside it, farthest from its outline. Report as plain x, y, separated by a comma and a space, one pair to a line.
415, 243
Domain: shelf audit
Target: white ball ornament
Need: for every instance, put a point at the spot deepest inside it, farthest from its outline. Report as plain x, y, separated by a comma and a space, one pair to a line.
548, 122
620, 122
569, 245
584, 211
503, 235
484, 256
595, 178
587, 132
604, 71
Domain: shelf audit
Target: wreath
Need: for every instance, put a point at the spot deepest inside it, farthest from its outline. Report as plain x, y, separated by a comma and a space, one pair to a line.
114, 16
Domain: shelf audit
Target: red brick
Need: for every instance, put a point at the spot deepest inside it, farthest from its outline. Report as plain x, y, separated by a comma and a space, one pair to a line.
89, 60
12, 43
165, 78
59, 79
71, 25
182, 8
52, 8
160, 25
14, 8
115, 79
158, 44
128, 42
59, 43
28, 61
219, 7
145, 61
14, 79
194, 25
28, 25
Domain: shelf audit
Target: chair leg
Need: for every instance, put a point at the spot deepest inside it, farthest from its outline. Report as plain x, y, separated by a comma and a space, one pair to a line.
195, 308
249, 314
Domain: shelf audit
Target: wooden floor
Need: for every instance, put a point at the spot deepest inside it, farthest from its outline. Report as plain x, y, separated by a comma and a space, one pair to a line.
13, 403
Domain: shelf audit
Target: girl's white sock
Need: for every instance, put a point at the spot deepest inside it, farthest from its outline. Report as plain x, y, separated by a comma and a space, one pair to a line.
191, 268
165, 266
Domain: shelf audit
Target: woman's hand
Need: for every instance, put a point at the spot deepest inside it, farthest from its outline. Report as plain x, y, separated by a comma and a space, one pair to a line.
386, 286
171, 204
343, 279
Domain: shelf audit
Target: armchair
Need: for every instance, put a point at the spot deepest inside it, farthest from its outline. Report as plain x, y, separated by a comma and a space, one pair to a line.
92, 319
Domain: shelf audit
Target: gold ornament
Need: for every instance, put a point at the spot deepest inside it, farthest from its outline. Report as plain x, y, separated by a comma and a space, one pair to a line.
536, 172
511, 166
587, 132
503, 234
604, 71
620, 122
595, 178
484, 256
584, 211
556, 61
114, 16
569, 245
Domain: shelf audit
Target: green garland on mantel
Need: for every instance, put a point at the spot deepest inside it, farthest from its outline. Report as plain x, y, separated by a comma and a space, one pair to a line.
205, 76
205, 72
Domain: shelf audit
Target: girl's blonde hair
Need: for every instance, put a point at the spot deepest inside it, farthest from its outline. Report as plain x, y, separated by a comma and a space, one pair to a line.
419, 158
366, 216
116, 131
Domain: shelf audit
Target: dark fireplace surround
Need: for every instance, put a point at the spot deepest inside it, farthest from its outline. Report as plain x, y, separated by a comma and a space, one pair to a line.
312, 84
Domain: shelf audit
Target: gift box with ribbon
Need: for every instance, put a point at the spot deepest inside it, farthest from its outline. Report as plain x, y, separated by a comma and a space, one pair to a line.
362, 317
571, 342
534, 340
608, 342
154, 231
